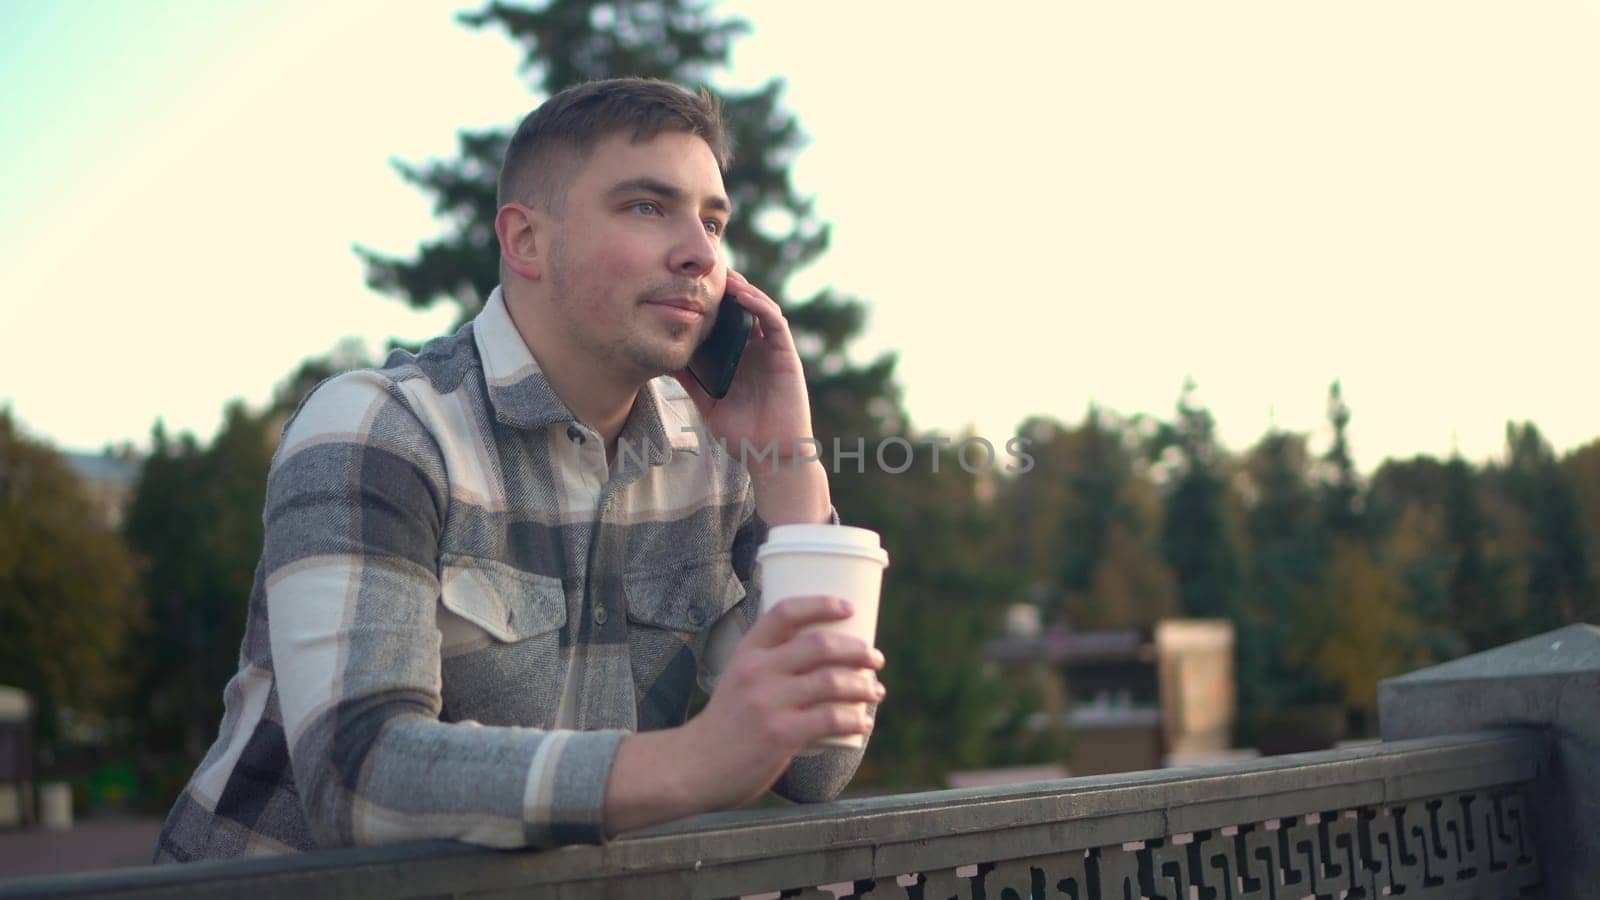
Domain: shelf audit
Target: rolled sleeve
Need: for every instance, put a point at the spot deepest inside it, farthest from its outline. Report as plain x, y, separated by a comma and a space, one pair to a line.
564, 798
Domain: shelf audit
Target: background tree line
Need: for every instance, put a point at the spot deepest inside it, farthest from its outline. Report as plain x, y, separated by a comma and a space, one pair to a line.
1332, 580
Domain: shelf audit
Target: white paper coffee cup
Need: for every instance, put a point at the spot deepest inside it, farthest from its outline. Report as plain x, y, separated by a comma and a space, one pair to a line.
837, 560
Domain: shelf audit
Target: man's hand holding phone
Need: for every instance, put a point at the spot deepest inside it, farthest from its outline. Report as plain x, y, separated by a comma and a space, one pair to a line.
716, 360
766, 402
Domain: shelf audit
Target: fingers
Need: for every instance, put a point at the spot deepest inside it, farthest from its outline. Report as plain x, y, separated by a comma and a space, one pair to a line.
771, 325
834, 720
832, 685
753, 298
819, 649
797, 729
780, 623
790, 683
737, 284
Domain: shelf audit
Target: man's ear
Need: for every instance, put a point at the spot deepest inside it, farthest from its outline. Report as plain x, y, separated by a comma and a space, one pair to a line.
518, 229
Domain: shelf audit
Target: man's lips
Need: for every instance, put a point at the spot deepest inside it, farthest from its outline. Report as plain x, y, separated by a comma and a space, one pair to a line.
687, 304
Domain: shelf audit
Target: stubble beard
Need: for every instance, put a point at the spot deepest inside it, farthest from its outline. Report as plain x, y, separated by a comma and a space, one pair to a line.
638, 345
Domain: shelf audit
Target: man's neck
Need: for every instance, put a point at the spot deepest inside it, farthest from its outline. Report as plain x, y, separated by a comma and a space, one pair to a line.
594, 394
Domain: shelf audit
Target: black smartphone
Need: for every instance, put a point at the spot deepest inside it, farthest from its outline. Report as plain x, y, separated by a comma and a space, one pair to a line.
717, 357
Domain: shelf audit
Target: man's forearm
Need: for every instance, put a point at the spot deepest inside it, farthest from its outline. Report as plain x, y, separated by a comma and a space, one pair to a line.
648, 785
649, 782
797, 493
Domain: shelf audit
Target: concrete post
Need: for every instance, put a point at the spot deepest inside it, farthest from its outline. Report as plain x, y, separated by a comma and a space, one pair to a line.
1552, 682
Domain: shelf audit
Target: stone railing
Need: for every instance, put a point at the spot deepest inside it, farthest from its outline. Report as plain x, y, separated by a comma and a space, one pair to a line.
1483, 787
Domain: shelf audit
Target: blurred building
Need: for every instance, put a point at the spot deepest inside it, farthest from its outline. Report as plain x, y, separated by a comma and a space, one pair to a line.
1135, 698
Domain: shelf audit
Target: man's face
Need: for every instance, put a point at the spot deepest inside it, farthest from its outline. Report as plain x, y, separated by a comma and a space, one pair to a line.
635, 263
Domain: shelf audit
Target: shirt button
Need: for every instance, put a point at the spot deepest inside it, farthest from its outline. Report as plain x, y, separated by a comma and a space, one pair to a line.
696, 617
600, 615
575, 433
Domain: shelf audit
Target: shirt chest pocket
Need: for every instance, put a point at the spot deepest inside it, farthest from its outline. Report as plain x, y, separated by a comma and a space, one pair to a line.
675, 607
487, 602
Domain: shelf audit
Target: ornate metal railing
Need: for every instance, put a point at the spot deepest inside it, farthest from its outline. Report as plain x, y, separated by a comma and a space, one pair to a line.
1496, 812
1444, 816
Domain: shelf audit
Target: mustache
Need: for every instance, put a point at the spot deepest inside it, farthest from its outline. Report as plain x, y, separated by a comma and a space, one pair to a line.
697, 289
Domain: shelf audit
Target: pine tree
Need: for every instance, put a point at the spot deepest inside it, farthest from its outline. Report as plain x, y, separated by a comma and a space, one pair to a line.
1196, 539
1093, 484
1352, 626
1481, 607
1286, 556
940, 605
1081, 529
1340, 488
1409, 513
195, 517
1582, 470
1031, 509
1560, 588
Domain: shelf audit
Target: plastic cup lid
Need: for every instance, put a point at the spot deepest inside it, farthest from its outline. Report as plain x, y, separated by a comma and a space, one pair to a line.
837, 539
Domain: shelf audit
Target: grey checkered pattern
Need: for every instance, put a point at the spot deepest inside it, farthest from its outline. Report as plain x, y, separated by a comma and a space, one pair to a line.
460, 610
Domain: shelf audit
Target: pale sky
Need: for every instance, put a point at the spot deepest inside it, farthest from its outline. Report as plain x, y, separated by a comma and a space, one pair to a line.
1043, 205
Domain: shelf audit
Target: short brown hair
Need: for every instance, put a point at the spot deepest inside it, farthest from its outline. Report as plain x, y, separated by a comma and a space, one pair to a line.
567, 126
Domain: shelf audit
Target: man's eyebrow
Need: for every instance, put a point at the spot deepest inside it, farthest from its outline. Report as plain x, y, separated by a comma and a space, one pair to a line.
668, 191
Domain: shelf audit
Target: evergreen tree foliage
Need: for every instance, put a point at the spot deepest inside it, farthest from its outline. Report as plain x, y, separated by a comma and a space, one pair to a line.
1031, 512
1286, 541
1083, 526
1481, 606
1560, 586
1340, 488
1354, 629
69, 599
1081, 529
1100, 466
1582, 470
1197, 539
195, 518
941, 603
1409, 515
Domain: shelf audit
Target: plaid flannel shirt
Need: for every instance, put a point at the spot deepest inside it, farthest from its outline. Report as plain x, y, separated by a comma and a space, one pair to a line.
460, 609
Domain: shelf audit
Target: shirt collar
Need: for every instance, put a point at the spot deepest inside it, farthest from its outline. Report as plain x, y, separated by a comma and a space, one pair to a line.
663, 418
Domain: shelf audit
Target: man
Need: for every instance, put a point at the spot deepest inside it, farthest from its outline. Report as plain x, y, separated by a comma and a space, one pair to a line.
493, 571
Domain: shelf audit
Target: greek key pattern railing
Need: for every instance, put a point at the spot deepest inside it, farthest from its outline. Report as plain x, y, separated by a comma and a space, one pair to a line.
1448, 816
1477, 844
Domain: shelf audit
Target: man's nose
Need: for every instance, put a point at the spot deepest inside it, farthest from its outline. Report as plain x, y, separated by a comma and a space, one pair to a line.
695, 252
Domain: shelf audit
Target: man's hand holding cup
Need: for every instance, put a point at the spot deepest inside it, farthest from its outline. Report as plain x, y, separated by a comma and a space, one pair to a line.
803, 676
791, 684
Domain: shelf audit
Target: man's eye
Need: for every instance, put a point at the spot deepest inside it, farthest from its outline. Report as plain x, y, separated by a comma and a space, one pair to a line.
714, 227
646, 207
